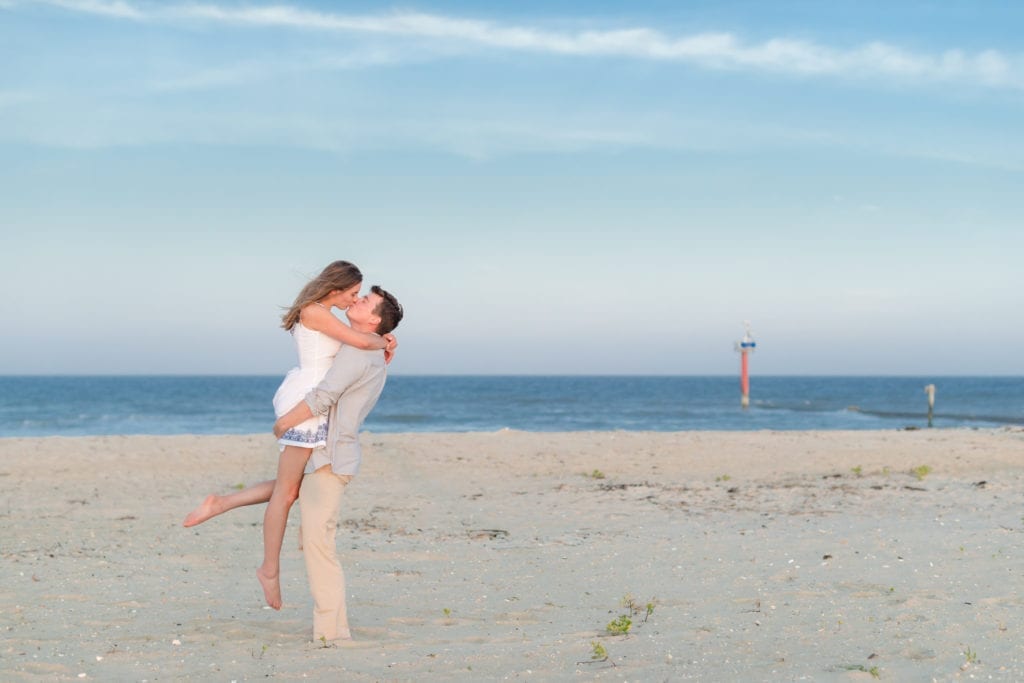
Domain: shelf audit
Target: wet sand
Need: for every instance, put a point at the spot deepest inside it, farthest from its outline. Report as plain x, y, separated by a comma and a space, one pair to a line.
763, 556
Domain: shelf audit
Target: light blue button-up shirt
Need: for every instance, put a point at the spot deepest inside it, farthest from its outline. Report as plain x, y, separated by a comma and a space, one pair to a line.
346, 395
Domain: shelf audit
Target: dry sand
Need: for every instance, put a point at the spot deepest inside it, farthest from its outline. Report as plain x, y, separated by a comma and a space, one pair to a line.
767, 556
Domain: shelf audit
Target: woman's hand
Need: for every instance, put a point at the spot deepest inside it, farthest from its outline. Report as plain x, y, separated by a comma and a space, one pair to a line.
389, 350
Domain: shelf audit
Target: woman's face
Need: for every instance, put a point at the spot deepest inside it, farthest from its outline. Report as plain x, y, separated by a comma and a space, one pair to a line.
347, 297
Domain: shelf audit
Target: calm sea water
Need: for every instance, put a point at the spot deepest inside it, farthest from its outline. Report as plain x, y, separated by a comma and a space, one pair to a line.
73, 406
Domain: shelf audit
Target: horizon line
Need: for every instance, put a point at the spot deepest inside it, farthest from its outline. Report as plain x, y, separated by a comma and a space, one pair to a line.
526, 375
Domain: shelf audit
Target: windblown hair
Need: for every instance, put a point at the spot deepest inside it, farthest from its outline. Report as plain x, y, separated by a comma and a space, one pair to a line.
338, 275
389, 311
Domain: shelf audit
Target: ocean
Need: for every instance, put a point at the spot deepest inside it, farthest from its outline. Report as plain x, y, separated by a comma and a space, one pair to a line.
102, 405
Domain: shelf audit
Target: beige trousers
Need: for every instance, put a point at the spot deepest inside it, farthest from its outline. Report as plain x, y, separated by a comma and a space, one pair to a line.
320, 504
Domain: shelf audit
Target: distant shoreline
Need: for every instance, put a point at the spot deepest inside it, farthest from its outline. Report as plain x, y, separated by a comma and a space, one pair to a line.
81, 405
187, 375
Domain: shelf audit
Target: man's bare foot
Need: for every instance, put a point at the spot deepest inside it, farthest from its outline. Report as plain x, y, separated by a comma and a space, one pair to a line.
210, 507
271, 588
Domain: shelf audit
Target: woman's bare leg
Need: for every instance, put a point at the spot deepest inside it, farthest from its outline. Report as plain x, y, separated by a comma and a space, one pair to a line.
285, 492
214, 505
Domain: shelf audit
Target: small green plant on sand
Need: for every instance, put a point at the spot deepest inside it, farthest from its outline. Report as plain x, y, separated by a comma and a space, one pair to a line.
860, 667
447, 613
238, 487
972, 656
857, 470
635, 610
598, 654
921, 471
596, 474
619, 626
724, 477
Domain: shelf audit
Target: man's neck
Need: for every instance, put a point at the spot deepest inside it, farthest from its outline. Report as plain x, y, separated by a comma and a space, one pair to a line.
363, 327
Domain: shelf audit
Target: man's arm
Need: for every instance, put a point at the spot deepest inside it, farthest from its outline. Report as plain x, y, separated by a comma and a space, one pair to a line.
296, 415
347, 368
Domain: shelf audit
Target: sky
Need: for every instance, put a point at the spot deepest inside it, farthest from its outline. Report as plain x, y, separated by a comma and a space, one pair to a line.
547, 187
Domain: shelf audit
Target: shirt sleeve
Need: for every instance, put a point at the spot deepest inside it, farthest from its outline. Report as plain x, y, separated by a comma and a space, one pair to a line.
344, 372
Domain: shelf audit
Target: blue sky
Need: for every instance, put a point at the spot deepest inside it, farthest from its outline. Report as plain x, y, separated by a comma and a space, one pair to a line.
549, 187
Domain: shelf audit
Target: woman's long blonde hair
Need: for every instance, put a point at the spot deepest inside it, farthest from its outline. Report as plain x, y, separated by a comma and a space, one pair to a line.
338, 275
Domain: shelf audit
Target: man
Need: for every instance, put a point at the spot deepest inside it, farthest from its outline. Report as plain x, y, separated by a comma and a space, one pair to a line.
347, 394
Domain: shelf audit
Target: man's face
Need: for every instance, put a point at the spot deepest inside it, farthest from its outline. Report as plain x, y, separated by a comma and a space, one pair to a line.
362, 310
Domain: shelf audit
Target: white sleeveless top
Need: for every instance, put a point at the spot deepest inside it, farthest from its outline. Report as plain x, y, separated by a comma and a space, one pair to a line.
316, 353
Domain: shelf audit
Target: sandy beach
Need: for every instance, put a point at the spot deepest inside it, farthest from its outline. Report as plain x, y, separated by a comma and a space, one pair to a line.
762, 556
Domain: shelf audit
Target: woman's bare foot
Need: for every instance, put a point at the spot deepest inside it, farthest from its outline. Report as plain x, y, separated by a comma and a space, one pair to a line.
271, 588
210, 507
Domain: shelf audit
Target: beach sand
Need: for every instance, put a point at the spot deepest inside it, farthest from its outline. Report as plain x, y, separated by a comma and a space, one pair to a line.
769, 556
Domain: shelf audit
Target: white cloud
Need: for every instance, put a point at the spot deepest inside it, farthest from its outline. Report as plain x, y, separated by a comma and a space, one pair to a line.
256, 71
235, 74
12, 98
479, 139
117, 9
708, 50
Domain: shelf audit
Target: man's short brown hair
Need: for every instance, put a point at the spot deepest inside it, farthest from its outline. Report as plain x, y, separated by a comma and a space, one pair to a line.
388, 310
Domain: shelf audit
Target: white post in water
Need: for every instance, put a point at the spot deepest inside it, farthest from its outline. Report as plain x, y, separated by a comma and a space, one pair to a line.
745, 348
930, 390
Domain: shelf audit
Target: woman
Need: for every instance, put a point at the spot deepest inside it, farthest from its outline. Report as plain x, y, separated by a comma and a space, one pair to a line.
318, 336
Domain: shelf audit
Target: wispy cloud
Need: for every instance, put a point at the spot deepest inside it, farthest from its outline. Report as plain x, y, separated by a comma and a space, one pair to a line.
716, 50
117, 9
234, 74
480, 140
13, 98
255, 71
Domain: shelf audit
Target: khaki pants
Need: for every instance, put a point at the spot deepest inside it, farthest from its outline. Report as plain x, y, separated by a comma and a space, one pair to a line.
320, 503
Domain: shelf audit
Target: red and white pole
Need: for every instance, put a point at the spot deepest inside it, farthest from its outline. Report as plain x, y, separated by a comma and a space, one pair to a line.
745, 378
745, 347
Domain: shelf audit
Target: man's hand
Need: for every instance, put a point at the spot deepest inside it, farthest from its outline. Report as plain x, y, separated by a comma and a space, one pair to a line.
299, 413
389, 350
